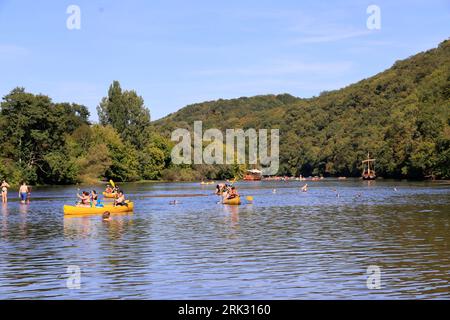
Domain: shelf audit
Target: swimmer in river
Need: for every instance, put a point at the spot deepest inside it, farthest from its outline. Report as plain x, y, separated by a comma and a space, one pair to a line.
4, 186
106, 216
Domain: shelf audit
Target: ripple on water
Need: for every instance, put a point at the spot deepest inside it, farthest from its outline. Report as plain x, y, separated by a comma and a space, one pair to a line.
286, 245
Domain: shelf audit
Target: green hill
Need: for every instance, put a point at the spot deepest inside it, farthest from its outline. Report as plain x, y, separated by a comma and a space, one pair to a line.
401, 116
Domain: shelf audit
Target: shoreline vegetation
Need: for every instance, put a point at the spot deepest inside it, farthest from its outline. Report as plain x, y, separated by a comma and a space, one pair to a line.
308, 179
401, 116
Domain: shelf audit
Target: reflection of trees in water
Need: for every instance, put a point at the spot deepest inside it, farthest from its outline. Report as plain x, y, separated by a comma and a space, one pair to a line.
408, 245
114, 252
127, 254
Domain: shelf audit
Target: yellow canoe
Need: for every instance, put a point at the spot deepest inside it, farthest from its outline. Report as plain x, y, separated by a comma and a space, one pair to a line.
235, 201
110, 195
74, 210
115, 214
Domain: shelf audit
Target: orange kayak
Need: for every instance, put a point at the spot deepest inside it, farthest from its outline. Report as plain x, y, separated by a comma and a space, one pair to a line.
235, 201
110, 195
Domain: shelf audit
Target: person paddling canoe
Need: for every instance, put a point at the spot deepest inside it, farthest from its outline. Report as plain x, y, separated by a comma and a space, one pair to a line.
233, 193
120, 201
85, 199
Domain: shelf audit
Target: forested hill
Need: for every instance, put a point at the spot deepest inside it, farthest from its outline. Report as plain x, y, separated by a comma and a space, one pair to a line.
234, 113
401, 116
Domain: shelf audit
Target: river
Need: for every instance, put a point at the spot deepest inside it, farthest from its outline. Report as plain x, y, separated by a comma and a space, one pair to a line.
287, 244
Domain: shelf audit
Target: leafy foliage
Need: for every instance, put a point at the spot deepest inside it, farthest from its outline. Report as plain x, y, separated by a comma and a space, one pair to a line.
32, 129
401, 116
125, 112
53, 143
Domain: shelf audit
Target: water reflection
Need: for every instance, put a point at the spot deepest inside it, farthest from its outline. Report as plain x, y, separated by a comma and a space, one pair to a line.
23, 209
79, 226
232, 214
287, 244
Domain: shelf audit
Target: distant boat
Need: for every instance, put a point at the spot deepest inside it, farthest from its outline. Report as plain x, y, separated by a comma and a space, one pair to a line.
369, 169
253, 175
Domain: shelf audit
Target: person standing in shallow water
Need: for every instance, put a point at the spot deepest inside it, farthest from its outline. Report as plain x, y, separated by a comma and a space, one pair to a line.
4, 186
23, 192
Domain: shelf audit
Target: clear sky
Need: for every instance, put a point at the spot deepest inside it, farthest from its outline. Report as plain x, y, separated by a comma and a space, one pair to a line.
175, 53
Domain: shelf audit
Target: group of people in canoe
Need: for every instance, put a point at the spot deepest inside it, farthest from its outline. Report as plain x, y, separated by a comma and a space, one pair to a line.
91, 203
24, 192
87, 199
90, 199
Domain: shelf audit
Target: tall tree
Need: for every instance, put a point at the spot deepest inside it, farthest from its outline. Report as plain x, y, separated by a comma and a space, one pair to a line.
125, 111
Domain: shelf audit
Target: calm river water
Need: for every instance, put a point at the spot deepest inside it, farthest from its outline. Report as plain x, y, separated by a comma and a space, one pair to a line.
286, 245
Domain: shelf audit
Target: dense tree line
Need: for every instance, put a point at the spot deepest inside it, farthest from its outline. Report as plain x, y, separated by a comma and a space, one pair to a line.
401, 116
53, 143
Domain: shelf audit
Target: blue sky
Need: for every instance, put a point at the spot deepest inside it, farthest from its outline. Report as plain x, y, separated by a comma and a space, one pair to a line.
175, 53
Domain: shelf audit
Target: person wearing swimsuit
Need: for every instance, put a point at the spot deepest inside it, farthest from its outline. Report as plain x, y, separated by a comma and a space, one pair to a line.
4, 187
23, 192
94, 198
84, 199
